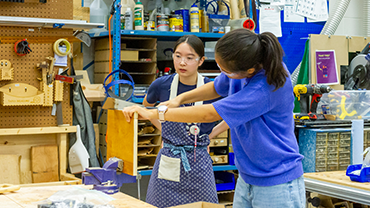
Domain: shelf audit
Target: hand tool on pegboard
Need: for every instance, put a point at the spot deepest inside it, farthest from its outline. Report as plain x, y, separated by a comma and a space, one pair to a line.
249, 23
22, 47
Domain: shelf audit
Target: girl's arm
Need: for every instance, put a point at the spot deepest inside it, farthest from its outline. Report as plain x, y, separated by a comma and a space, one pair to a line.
194, 114
221, 127
205, 92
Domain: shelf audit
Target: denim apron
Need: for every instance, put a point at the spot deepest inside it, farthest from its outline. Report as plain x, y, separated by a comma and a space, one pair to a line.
182, 173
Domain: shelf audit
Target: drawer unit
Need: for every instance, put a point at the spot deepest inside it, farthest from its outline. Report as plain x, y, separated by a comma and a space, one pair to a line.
327, 149
220, 159
218, 142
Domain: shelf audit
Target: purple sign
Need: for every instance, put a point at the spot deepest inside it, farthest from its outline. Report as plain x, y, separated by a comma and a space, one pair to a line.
326, 68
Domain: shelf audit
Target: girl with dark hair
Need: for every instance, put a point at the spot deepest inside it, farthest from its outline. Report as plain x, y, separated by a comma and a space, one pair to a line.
258, 109
183, 170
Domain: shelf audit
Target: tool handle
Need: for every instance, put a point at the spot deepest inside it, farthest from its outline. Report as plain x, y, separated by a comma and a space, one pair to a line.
303, 103
315, 100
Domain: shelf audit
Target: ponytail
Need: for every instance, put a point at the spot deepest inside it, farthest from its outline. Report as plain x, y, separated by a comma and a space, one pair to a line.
273, 60
242, 49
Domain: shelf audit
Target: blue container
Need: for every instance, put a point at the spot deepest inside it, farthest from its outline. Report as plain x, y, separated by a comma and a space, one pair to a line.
231, 158
363, 177
228, 180
185, 17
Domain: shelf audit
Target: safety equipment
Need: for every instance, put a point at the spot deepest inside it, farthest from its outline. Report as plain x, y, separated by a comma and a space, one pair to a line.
130, 82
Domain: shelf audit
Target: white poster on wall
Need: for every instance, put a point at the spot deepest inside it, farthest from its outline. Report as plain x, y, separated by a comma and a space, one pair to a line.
290, 15
321, 10
306, 8
270, 20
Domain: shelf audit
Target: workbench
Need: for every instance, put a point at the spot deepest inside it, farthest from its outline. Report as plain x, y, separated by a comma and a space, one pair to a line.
27, 197
336, 184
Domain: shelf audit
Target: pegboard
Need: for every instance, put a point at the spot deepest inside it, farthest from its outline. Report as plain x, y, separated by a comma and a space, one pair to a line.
25, 71
56, 9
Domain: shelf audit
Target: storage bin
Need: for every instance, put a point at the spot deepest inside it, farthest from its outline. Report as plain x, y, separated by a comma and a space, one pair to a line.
363, 177
224, 181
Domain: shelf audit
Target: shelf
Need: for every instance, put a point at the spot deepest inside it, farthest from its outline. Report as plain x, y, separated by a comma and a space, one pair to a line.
166, 35
47, 23
37, 130
141, 73
138, 62
162, 35
149, 135
138, 49
150, 145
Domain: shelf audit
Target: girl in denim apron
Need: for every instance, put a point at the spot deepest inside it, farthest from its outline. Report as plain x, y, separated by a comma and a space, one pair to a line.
183, 170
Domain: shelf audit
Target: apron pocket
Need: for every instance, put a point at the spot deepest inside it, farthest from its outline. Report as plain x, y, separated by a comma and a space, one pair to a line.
169, 168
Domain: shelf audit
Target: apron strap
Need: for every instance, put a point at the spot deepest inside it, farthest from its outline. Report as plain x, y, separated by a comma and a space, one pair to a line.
175, 86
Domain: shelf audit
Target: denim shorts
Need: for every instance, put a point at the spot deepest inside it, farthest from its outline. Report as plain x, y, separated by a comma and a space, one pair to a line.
287, 195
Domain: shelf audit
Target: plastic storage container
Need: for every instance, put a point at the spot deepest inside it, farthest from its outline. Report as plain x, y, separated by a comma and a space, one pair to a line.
363, 177
139, 16
346, 105
224, 181
99, 14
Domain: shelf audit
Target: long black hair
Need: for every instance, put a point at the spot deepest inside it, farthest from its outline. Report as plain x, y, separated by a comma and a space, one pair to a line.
242, 49
194, 42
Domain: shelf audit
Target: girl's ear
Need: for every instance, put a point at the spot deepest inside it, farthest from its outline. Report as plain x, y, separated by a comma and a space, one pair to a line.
201, 61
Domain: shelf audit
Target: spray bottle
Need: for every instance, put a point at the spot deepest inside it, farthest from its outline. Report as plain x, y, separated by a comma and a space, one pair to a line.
139, 16
194, 18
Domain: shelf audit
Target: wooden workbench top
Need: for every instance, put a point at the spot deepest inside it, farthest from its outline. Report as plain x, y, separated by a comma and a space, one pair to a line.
27, 197
337, 177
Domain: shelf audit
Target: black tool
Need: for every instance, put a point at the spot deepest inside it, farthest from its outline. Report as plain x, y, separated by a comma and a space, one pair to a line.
23, 47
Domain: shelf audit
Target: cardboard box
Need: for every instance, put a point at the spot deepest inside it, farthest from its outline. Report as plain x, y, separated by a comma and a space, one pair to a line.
101, 67
125, 55
200, 205
103, 44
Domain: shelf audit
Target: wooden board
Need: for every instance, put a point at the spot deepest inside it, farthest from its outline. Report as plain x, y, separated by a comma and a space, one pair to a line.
27, 197
337, 177
10, 169
324, 42
44, 163
122, 140
356, 44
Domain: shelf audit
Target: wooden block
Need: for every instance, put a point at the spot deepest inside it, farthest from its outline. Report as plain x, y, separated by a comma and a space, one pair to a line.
96, 129
85, 79
44, 163
125, 55
103, 44
122, 140
10, 169
58, 94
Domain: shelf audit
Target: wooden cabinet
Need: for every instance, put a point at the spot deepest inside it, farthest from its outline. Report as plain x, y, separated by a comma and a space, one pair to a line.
219, 148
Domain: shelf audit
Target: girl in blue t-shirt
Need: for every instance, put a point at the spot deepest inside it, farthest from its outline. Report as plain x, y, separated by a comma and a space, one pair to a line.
258, 109
183, 170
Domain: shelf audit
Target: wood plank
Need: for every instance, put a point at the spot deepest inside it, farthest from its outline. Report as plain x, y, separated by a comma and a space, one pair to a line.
356, 43
62, 144
337, 177
10, 169
27, 197
122, 140
96, 129
44, 163
21, 144
37, 130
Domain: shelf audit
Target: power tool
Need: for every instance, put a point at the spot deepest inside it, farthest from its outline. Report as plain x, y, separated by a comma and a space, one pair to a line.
303, 93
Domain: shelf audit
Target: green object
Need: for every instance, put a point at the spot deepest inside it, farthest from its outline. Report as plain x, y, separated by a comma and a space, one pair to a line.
303, 73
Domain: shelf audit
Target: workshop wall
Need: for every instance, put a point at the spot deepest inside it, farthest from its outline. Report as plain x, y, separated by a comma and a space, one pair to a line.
353, 21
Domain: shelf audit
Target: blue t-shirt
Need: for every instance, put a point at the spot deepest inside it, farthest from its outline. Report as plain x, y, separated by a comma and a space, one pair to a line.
159, 91
262, 128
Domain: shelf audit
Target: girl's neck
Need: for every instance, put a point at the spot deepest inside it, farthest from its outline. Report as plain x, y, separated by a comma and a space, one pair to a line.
189, 80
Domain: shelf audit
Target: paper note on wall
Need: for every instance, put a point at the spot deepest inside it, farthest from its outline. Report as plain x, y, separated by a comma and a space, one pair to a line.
290, 15
321, 11
277, 2
326, 67
270, 20
306, 8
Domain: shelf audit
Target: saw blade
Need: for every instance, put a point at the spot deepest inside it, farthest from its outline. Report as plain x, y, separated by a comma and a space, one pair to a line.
84, 37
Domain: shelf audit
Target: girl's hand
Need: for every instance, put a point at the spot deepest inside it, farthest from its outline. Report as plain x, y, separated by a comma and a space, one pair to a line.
144, 114
174, 103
